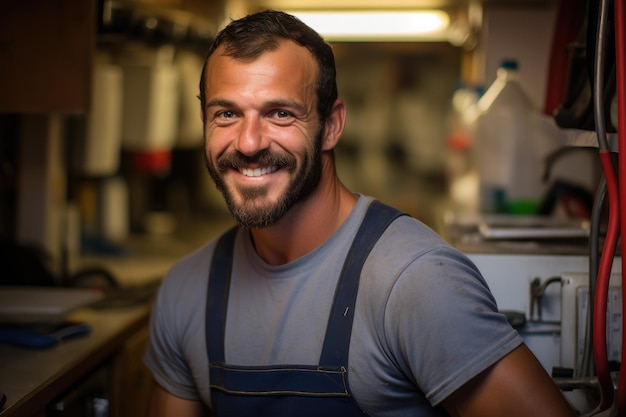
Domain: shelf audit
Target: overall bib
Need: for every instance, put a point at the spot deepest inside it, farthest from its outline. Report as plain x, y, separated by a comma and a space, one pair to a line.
290, 390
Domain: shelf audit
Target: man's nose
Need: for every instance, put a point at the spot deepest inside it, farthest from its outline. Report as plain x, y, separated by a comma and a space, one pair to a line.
251, 138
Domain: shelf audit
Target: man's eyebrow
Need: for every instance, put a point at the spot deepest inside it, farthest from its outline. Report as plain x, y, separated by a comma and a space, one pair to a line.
272, 103
287, 104
219, 103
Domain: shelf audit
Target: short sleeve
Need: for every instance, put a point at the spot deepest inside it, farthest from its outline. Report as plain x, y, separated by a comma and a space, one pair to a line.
442, 323
176, 353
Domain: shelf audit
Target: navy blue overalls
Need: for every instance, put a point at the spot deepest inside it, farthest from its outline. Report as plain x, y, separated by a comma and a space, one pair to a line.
290, 390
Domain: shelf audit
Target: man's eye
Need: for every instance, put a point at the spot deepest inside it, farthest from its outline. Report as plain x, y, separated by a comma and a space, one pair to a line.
282, 114
224, 117
226, 114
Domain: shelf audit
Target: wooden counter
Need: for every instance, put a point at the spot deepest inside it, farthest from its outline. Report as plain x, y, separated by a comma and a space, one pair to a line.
34, 378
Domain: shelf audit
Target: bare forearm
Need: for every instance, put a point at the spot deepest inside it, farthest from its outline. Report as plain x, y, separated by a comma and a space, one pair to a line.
515, 386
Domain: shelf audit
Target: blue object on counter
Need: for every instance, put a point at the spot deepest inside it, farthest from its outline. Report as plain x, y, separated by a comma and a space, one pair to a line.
42, 336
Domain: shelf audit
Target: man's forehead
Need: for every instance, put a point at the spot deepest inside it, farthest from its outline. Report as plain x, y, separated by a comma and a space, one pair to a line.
291, 54
227, 50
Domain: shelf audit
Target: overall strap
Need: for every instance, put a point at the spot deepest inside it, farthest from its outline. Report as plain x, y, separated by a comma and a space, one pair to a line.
337, 340
217, 297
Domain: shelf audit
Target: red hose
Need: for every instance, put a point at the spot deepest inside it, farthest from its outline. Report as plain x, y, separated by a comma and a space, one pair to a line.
602, 285
620, 62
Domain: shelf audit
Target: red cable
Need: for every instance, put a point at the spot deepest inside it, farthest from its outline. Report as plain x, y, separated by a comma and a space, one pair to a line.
602, 285
620, 61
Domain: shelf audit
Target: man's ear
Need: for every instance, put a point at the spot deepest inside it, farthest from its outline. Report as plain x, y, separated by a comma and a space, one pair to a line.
335, 123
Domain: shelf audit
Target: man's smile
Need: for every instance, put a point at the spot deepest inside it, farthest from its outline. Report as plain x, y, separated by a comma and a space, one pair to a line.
258, 172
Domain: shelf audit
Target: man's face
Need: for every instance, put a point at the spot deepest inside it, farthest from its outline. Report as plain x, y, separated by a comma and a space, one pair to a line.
262, 132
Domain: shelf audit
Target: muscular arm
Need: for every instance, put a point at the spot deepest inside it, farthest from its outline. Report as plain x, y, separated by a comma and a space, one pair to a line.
515, 386
164, 404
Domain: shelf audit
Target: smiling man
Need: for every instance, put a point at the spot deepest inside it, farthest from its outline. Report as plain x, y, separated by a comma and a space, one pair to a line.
264, 152
322, 302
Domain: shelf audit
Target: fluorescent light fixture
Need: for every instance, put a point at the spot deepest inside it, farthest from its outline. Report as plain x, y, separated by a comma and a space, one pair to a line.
378, 25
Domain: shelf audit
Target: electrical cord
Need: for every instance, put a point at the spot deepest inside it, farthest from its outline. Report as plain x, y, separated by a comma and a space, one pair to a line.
602, 286
606, 260
598, 80
585, 367
620, 57
537, 289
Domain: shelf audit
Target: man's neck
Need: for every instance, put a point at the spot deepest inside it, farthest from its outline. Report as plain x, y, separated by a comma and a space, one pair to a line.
306, 226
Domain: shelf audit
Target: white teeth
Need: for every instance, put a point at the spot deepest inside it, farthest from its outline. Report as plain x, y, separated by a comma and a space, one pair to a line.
257, 172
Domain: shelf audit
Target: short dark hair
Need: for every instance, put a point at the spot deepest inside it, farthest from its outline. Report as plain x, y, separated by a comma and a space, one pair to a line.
249, 37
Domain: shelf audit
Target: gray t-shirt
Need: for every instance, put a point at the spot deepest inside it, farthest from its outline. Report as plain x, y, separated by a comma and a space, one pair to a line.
425, 322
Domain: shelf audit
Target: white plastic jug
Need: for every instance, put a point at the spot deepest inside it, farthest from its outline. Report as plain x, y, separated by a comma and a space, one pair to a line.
509, 146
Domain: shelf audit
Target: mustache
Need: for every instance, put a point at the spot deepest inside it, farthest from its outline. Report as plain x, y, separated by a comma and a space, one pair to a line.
263, 158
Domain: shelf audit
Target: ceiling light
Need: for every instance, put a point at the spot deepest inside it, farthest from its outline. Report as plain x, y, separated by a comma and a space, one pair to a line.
377, 25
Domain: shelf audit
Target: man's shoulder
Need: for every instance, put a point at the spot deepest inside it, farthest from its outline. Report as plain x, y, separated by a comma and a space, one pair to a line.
192, 268
410, 246
409, 231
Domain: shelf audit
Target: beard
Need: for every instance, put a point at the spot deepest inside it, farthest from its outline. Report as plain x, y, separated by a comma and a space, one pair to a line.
254, 211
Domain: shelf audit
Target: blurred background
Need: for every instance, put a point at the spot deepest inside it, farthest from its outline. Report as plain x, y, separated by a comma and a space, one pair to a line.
474, 116
101, 141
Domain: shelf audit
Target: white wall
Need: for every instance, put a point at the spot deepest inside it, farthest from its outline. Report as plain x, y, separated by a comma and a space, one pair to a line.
521, 33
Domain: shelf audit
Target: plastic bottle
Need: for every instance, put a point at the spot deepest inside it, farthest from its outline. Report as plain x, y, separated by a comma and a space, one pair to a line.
508, 146
458, 141
460, 171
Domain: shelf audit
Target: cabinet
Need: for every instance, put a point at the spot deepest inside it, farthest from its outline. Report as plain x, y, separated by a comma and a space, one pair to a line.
132, 380
46, 50
119, 387
103, 365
